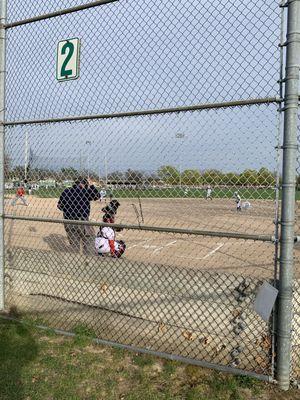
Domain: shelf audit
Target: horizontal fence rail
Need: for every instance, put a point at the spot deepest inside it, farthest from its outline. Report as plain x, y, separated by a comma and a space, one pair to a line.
172, 357
232, 235
208, 106
58, 13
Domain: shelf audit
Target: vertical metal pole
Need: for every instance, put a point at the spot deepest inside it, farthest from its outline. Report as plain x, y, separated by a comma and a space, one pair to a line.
288, 195
26, 157
2, 119
180, 136
106, 170
99, 176
88, 142
277, 186
80, 162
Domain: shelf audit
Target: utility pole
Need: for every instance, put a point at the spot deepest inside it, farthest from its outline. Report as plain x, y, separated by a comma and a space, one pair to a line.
88, 142
180, 136
80, 161
99, 176
106, 169
26, 158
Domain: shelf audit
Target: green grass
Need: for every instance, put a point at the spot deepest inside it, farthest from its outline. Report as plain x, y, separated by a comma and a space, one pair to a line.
193, 193
176, 192
38, 364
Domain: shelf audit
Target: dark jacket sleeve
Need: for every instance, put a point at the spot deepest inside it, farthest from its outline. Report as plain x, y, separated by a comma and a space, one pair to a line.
93, 193
62, 201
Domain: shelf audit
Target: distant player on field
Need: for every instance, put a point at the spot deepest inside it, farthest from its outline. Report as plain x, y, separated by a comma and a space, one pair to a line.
20, 195
103, 195
238, 201
208, 192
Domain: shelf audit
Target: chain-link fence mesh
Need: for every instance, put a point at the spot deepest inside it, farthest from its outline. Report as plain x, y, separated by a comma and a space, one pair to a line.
19, 10
212, 170
296, 329
183, 182
181, 309
141, 57
296, 288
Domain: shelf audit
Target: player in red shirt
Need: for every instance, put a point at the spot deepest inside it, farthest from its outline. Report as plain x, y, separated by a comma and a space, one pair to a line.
20, 195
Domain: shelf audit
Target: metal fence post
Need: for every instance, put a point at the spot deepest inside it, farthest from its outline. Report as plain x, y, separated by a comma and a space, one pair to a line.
288, 195
2, 158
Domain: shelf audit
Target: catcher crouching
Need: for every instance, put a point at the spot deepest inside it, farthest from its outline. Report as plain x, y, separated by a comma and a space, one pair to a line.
105, 242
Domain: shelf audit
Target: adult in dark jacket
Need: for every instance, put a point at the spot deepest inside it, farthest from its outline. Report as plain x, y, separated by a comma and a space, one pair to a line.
75, 203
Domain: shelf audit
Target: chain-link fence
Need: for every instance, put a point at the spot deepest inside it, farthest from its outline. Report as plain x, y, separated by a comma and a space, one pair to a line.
172, 133
296, 303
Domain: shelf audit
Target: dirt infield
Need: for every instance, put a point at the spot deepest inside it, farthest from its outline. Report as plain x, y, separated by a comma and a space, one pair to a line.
222, 254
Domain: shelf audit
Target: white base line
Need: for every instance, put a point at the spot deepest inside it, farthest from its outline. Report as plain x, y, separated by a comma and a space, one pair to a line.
139, 244
162, 247
213, 251
189, 258
202, 258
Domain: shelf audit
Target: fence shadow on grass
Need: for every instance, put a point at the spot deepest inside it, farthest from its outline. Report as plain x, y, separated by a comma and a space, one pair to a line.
17, 349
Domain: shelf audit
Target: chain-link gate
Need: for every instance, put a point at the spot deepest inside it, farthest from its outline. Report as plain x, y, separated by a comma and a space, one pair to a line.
172, 131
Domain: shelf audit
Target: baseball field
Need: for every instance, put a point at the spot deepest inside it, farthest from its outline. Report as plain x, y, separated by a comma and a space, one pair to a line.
184, 294
245, 257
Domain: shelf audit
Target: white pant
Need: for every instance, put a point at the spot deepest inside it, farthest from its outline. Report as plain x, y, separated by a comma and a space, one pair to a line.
22, 198
102, 245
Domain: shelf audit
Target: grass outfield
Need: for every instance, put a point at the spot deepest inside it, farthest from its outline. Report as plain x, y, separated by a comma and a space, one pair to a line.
246, 194
39, 365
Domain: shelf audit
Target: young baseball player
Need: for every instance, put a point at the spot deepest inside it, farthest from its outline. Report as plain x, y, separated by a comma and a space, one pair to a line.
208, 193
103, 195
111, 208
20, 195
106, 243
238, 201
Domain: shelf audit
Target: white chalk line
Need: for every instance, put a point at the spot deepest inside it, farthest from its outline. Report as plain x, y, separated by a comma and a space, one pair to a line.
147, 246
162, 247
213, 251
190, 258
139, 244
206, 256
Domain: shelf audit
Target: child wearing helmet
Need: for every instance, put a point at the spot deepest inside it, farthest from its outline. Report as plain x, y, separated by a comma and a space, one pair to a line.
105, 242
208, 192
238, 201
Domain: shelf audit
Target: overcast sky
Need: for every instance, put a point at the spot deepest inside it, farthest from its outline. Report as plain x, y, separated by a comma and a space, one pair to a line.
140, 55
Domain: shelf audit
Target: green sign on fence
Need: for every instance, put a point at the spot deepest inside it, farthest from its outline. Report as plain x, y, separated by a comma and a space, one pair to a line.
67, 59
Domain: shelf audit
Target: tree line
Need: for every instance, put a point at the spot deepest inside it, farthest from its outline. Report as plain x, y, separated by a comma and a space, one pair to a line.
166, 174
262, 177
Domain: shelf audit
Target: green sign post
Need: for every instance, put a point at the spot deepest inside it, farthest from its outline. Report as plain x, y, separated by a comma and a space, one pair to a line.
67, 59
